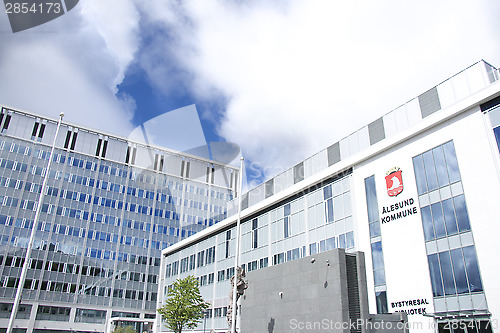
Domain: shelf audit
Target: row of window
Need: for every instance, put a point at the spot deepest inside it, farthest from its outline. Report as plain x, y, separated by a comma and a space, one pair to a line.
445, 218
70, 268
344, 241
205, 257
64, 287
109, 170
455, 272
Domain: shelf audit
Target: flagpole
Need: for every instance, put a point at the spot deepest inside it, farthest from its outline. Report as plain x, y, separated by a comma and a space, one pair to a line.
24, 271
237, 254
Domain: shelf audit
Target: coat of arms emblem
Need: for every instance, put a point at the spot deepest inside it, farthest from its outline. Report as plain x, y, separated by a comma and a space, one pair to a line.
394, 182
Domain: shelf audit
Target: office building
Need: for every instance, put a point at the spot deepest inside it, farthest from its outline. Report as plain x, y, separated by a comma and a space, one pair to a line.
416, 190
111, 205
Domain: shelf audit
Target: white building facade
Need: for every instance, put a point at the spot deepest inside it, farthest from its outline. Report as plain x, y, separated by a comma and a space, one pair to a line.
416, 190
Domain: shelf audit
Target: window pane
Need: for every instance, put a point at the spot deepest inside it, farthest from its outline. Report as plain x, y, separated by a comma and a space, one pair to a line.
330, 243
472, 269
342, 241
377, 256
418, 166
427, 223
374, 229
437, 283
349, 239
442, 173
327, 192
379, 277
312, 249
451, 162
329, 210
457, 260
430, 170
447, 273
381, 298
461, 211
449, 217
371, 199
437, 217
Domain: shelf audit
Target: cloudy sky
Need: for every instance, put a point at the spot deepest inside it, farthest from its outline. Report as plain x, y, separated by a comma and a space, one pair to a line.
282, 79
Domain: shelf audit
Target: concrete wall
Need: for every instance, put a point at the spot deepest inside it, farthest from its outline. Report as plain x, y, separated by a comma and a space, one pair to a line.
309, 294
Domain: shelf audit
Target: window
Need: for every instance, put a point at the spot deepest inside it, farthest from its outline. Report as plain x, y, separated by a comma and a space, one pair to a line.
201, 261
254, 234
454, 272
228, 238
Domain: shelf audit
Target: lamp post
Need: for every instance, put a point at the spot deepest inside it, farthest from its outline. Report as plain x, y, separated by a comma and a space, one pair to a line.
205, 312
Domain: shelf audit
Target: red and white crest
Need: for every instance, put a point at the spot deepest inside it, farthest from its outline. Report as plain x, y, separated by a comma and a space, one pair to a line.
394, 182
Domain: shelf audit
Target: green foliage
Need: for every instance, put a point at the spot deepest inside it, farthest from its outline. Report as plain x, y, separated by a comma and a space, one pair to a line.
184, 306
126, 329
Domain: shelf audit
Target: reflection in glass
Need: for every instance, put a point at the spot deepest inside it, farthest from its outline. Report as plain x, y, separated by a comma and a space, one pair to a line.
457, 260
461, 211
418, 166
437, 283
381, 298
371, 199
329, 210
449, 217
427, 223
451, 162
374, 229
447, 273
377, 256
437, 217
472, 269
430, 170
442, 173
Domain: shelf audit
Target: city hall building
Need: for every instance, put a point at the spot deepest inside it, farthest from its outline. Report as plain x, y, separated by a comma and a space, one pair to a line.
417, 190
111, 205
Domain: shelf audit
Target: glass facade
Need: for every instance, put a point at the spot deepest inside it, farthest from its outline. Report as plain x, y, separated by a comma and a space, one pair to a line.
376, 245
102, 224
454, 270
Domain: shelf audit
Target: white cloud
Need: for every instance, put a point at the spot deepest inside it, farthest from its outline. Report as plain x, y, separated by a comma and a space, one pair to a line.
301, 76
72, 64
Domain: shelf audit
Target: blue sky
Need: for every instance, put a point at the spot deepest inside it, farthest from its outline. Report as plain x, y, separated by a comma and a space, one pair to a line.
281, 79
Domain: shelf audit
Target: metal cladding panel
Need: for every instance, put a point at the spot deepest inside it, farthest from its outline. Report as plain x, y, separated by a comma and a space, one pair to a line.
222, 176
353, 143
429, 102
198, 170
117, 150
86, 142
144, 157
256, 195
333, 153
363, 138
172, 164
21, 126
376, 131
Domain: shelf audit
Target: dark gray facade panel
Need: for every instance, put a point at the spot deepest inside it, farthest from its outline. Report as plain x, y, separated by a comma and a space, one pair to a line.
376, 131
429, 102
244, 201
298, 172
333, 153
269, 186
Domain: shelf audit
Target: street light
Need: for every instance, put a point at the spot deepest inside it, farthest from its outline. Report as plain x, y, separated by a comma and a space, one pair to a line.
205, 313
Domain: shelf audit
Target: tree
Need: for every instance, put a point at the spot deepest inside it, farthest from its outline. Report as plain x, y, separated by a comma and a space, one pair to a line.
184, 307
126, 329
